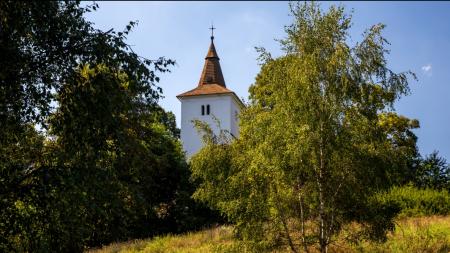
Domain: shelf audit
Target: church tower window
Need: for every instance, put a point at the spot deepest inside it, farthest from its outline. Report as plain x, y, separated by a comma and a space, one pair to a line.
203, 110
207, 109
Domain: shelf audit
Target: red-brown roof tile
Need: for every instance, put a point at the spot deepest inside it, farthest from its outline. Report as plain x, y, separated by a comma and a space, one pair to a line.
212, 73
206, 89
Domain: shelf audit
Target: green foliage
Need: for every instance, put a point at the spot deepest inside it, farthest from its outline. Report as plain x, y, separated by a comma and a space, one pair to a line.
432, 172
317, 140
42, 43
108, 164
21, 184
416, 202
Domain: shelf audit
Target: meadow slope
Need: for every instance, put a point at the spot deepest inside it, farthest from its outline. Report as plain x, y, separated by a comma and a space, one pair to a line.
421, 234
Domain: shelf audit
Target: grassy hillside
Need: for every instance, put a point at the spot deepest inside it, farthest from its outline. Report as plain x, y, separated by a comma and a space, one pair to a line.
424, 234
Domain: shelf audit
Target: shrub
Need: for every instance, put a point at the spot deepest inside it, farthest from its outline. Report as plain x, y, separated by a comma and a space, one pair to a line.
417, 202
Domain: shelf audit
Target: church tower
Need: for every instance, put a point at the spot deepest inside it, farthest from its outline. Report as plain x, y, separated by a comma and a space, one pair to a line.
209, 99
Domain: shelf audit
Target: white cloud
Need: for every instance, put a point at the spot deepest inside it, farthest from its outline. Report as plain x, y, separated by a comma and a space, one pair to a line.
427, 69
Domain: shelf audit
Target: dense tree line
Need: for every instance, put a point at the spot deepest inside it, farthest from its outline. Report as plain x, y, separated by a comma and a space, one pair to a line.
87, 156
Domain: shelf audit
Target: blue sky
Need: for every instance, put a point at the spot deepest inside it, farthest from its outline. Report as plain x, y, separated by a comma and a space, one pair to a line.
419, 33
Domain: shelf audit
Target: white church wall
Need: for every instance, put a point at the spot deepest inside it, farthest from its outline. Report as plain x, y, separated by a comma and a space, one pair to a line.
220, 107
234, 120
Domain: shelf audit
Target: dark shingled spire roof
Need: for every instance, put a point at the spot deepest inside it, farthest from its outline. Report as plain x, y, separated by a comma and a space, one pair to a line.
212, 73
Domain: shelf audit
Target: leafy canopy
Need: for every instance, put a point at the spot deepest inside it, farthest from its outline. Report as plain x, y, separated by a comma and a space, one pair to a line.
107, 165
319, 137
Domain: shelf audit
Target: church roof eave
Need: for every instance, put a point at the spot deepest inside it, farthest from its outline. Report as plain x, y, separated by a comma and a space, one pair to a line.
200, 92
211, 79
206, 90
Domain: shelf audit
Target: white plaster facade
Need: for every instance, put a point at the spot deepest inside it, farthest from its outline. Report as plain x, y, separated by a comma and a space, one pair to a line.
225, 107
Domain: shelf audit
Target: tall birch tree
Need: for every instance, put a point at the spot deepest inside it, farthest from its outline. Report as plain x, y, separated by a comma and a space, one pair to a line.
319, 137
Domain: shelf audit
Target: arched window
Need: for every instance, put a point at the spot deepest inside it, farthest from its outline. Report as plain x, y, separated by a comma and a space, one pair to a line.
207, 109
203, 110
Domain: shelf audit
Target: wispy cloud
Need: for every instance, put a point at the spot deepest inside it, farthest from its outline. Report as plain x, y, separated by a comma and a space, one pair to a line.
427, 69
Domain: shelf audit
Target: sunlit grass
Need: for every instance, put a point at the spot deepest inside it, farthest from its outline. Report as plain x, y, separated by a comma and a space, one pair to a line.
209, 240
412, 235
426, 234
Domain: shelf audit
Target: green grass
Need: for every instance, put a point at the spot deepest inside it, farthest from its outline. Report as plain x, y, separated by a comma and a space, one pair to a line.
426, 234
412, 235
209, 240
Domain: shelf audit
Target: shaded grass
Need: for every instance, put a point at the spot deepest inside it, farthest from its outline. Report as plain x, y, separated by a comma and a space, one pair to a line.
420, 234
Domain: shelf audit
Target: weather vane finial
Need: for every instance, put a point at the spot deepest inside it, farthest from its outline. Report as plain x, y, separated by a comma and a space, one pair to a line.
212, 31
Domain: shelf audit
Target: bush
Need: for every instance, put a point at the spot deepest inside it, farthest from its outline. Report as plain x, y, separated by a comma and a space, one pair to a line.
417, 202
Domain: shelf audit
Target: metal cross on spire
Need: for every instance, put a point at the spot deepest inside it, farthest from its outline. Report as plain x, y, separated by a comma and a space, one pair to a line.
212, 31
